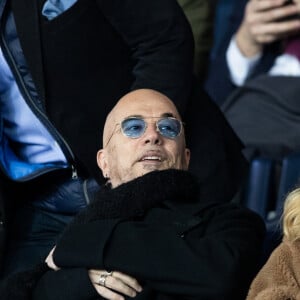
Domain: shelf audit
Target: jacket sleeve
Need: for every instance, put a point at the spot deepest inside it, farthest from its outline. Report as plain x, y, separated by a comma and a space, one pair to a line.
209, 263
161, 41
218, 83
65, 284
42, 283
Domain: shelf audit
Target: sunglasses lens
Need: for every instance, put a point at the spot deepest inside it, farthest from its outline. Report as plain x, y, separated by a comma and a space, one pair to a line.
169, 127
133, 127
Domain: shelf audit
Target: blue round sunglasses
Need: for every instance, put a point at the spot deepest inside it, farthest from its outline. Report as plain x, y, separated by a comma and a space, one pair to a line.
135, 127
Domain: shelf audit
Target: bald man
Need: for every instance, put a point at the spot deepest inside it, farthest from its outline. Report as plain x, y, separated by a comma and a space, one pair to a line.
148, 233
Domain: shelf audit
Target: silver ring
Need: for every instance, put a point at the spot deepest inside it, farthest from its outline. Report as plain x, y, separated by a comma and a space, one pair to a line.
102, 279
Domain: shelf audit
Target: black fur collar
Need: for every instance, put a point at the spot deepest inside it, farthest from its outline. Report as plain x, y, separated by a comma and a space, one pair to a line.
135, 197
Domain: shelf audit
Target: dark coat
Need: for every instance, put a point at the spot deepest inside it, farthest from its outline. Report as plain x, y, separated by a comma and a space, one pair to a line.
157, 229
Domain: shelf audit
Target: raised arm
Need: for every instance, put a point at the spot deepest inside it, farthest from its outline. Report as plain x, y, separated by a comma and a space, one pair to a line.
161, 41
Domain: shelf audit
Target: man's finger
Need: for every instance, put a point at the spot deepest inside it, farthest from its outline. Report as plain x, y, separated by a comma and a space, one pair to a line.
130, 281
107, 293
116, 284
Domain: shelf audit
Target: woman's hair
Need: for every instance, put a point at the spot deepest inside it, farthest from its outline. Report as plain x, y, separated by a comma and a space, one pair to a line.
291, 216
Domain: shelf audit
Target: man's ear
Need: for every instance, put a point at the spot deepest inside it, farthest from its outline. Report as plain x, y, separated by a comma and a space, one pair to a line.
187, 155
102, 163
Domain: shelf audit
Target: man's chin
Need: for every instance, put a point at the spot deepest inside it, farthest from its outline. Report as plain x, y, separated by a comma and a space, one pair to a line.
151, 168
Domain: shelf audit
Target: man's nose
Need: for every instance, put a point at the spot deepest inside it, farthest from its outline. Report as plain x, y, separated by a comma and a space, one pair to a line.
152, 135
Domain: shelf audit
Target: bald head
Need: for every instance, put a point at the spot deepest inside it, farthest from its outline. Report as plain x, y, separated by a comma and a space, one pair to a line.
124, 158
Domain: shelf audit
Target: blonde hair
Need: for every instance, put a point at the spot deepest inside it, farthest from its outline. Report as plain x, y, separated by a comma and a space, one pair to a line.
291, 216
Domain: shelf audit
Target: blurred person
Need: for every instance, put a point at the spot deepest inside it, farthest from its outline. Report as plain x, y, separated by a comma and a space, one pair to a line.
259, 38
279, 277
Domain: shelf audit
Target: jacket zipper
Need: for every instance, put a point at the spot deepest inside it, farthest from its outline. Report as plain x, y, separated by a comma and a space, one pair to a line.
44, 120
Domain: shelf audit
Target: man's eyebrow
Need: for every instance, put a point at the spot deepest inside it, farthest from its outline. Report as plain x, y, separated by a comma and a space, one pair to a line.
134, 116
168, 115
164, 115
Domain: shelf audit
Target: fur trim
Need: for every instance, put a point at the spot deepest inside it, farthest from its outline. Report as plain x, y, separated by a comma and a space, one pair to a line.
137, 196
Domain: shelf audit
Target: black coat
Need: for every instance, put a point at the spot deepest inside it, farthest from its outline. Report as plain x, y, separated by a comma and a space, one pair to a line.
157, 229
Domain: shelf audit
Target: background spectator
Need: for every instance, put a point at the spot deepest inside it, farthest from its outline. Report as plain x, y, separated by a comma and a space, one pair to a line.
254, 39
279, 278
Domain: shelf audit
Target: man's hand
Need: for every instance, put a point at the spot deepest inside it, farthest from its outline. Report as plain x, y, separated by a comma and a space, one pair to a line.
113, 285
262, 24
109, 285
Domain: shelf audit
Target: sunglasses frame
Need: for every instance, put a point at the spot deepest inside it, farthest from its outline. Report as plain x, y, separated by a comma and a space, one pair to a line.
146, 126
